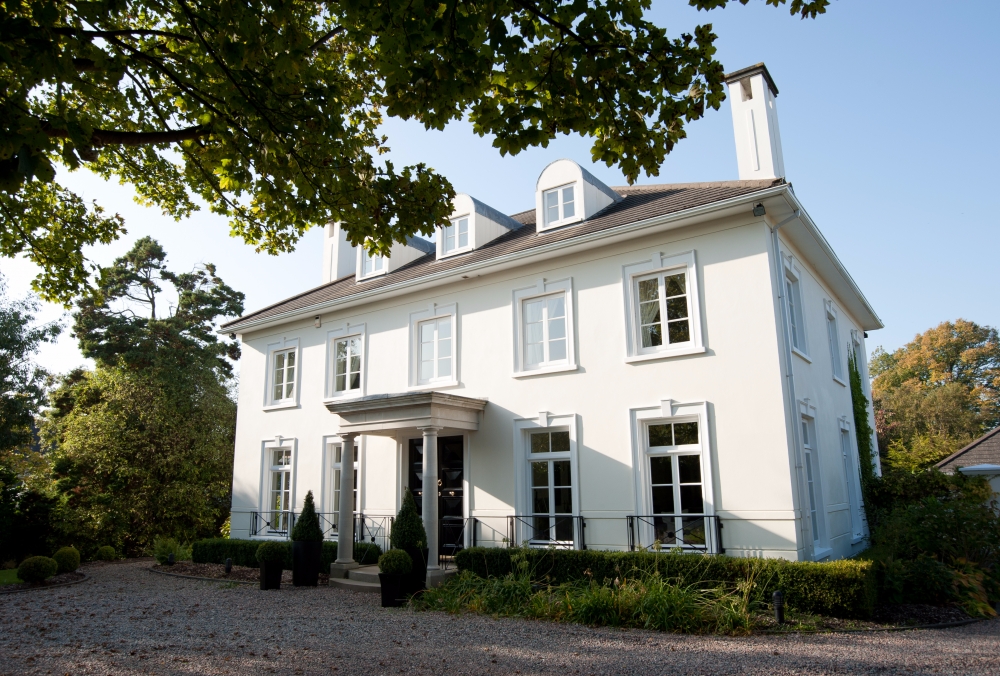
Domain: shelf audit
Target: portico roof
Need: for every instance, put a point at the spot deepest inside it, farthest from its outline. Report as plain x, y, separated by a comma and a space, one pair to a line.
391, 414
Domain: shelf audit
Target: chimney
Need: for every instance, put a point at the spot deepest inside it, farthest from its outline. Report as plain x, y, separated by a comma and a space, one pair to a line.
339, 257
752, 95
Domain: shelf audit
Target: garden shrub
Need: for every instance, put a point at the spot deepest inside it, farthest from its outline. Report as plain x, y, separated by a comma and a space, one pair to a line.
37, 569
164, 547
243, 552
395, 562
306, 527
68, 559
840, 588
408, 528
107, 553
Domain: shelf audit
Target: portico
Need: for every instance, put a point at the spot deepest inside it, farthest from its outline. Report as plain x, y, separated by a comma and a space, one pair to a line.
429, 415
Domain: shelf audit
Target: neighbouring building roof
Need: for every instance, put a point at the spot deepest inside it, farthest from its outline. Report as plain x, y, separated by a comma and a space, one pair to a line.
640, 203
983, 451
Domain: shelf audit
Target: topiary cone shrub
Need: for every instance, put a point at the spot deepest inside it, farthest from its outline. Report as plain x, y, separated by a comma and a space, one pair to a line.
307, 546
68, 559
37, 569
409, 535
107, 553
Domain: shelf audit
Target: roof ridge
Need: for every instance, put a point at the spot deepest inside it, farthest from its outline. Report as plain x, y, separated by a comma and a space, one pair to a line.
968, 447
760, 182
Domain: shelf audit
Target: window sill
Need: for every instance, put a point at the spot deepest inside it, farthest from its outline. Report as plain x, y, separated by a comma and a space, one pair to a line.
836, 379
857, 541
437, 385
565, 368
282, 405
665, 354
455, 252
560, 224
374, 275
801, 354
349, 394
822, 553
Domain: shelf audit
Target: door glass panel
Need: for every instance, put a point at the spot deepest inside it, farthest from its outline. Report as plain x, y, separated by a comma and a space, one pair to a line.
661, 435
686, 433
560, 443
540, 442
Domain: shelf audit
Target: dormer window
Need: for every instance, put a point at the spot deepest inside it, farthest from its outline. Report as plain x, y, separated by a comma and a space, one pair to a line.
455, 237
560, 205
371, 265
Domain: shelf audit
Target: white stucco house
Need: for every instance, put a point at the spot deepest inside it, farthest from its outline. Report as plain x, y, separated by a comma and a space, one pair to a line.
608, 368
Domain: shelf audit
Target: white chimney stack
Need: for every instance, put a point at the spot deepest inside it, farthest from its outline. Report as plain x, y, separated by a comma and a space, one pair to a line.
752, 95
339, 257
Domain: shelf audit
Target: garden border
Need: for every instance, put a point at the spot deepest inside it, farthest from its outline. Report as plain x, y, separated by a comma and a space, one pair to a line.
939, 625
193, 577
41, 587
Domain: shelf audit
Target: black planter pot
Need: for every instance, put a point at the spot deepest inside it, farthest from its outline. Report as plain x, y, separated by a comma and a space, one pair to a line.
393, 593
417, 579
270, 574
306, 558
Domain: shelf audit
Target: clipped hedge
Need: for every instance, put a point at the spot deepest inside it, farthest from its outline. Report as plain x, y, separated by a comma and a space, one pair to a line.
68, 559
37, 569
244, 552
839, 589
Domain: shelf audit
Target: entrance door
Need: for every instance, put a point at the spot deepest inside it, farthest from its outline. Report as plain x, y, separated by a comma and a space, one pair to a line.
451, 471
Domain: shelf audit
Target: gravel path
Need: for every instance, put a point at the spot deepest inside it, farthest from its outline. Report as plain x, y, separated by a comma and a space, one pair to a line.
126, 620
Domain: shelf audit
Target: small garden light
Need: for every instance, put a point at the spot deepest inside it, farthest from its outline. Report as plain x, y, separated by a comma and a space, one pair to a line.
170, 559
778, 601
229, 566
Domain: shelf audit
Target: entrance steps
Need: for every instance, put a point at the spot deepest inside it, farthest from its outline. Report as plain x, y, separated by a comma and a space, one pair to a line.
363, 579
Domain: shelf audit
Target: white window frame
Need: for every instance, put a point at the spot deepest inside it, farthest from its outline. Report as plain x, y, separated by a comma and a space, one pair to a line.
671, 411
837, 358
443, 236
268, 446
523, 427
795, 308
331, 480
433, 312
812, 464
660, 264
563, 219
332, 338
543, 288
284, 346
362, 257
852, 478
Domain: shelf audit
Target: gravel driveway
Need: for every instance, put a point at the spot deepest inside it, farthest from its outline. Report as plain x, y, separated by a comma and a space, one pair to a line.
126, 620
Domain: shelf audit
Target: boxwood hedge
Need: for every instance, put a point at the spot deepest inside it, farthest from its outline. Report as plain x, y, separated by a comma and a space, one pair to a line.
244, 552
844, 589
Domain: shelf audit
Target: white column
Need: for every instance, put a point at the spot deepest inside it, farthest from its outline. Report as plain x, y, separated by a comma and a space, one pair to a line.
345, 510
430, 494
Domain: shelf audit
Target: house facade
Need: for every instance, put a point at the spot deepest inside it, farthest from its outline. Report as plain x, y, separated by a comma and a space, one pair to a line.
611, 368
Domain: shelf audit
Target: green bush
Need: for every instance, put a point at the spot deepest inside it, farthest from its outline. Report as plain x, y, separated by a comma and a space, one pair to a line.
244, 552
408, 529
107, 553
68, 559
395, 562
164, 547
307, 523
271, 552
839, 588
37, 569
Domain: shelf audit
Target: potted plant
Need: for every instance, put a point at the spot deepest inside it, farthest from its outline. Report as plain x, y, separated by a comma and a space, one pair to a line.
394, 569
271, 557
307, 546
409, 535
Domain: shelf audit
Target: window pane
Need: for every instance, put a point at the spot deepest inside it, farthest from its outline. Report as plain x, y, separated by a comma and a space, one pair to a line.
686, 433
649, 313
557, 350
378, 263
564, 529
678, 331
463, 232
675, 285
691, 502
355, 381
567, 198
663, 499
533, 333
533, 311
444, 328
277, 392
540, 443
540, 474
444, 348
279, 364
660, 435
661, 470
541, 528
677, 308
289, 389
560, 444
564, 501
338, 451
444, 367
427, 332
693, 532
534, 355
557, 306
651, 336
557, 328
426, 370
560, 473
552, 206
649, 289
689, 468
355, 363
540, 500
291, 360
341, 383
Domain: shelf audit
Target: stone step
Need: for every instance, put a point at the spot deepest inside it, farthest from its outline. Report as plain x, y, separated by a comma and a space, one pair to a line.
364, 574
356, 585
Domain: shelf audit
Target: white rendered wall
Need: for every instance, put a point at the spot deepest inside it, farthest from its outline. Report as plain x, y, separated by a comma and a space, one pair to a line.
739, 376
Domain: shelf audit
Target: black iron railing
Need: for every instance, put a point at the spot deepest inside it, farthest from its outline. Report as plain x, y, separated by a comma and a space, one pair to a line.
452, 533
277, 522
563, 531
701, 532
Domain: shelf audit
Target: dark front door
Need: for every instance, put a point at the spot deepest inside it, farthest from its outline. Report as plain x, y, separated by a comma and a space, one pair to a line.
451, 516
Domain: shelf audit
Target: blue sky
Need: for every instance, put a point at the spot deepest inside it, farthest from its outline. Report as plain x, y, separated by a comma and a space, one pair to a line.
889, 124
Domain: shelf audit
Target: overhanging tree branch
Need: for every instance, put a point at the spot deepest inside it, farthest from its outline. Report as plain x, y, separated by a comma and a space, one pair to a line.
109, 137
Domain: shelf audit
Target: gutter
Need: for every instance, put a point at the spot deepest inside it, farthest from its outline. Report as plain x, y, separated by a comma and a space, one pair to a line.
583, 243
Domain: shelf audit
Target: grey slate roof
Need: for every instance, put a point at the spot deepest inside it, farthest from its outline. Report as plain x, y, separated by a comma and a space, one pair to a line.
983, 451
639, 203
